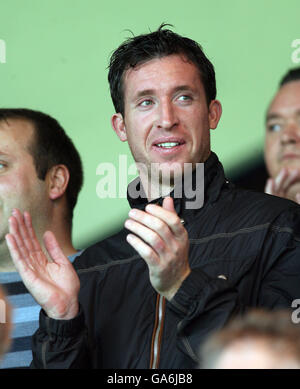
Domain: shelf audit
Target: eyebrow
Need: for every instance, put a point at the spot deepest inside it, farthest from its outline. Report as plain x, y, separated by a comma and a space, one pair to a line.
278, 116
273, 116
146, 92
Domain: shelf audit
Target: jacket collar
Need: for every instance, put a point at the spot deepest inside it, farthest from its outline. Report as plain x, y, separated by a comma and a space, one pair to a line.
214, 179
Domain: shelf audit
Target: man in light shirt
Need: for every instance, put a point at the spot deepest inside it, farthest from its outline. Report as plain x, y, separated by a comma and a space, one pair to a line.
41, 172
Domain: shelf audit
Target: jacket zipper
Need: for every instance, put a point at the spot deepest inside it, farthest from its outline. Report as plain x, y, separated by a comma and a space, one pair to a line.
157, 332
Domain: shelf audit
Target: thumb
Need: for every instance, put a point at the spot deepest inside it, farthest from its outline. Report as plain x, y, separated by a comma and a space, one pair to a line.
54, 249
168, 204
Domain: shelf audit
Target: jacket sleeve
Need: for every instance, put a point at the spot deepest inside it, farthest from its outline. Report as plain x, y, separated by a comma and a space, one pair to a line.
281, 254
60, 344
205, 304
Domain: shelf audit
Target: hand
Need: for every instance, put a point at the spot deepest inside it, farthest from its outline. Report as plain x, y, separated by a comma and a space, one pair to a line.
282, 184
163, 243
54, 285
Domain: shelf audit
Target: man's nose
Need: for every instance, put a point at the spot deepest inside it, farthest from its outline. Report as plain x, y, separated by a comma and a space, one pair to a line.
167, 116
291, 132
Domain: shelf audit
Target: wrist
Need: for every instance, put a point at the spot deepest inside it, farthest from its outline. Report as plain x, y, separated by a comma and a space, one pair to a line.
170, 293
64, 314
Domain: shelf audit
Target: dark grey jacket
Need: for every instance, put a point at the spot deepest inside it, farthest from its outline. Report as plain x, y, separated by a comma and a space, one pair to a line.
244, 252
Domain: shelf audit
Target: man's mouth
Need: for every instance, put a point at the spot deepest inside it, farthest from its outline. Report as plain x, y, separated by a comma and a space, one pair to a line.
287, 156
168, 145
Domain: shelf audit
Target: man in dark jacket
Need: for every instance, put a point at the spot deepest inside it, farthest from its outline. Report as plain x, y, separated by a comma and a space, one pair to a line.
149, 295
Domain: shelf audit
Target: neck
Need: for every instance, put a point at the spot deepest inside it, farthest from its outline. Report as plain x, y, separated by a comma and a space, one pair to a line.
62, 231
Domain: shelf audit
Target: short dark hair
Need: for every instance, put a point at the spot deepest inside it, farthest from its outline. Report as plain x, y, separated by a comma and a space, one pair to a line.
142, 48
291, 75
51, 146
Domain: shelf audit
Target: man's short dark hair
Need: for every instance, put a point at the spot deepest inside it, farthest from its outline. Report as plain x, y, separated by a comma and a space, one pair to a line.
49, 147
291, 75
161, 43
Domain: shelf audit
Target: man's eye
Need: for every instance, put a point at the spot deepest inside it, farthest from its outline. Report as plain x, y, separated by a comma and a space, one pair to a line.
146, 103
2, 165
275, 127
184, 98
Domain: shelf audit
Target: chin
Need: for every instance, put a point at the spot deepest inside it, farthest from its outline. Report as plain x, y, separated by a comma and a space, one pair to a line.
166, 169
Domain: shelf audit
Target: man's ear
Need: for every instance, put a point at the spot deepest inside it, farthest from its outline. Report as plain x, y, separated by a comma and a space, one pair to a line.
214, 114
57, 180
118, 124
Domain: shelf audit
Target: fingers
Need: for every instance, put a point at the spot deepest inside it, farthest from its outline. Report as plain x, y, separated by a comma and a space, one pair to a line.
282, 182
24, 236
153, 223
28, 246
168, 215
54, 249
269, 189
23, 231
168, 204
14, 231
279, 179
148, 235
291, 178
145, 251
157, 226
31, 232
15, 253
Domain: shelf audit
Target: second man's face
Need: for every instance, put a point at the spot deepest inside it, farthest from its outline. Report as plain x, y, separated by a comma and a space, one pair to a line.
19, 185
282, 145
166, 116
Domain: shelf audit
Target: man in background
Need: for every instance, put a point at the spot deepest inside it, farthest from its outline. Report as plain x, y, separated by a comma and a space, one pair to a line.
41, 172
282, 144
259, 340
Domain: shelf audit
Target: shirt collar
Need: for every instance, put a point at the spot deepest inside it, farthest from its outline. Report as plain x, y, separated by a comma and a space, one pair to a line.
213, 181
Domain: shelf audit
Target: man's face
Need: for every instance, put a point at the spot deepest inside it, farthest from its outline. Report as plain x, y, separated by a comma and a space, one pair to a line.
166, 117
282, 144
19, 184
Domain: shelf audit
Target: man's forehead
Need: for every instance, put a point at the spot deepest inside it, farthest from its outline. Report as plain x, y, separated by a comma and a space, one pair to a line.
16, 131
148, 71
288, 97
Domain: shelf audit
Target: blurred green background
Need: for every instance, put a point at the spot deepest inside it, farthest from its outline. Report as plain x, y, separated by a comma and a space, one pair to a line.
57, 53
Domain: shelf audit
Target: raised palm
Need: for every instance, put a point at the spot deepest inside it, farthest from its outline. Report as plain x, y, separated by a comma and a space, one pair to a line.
52, 281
